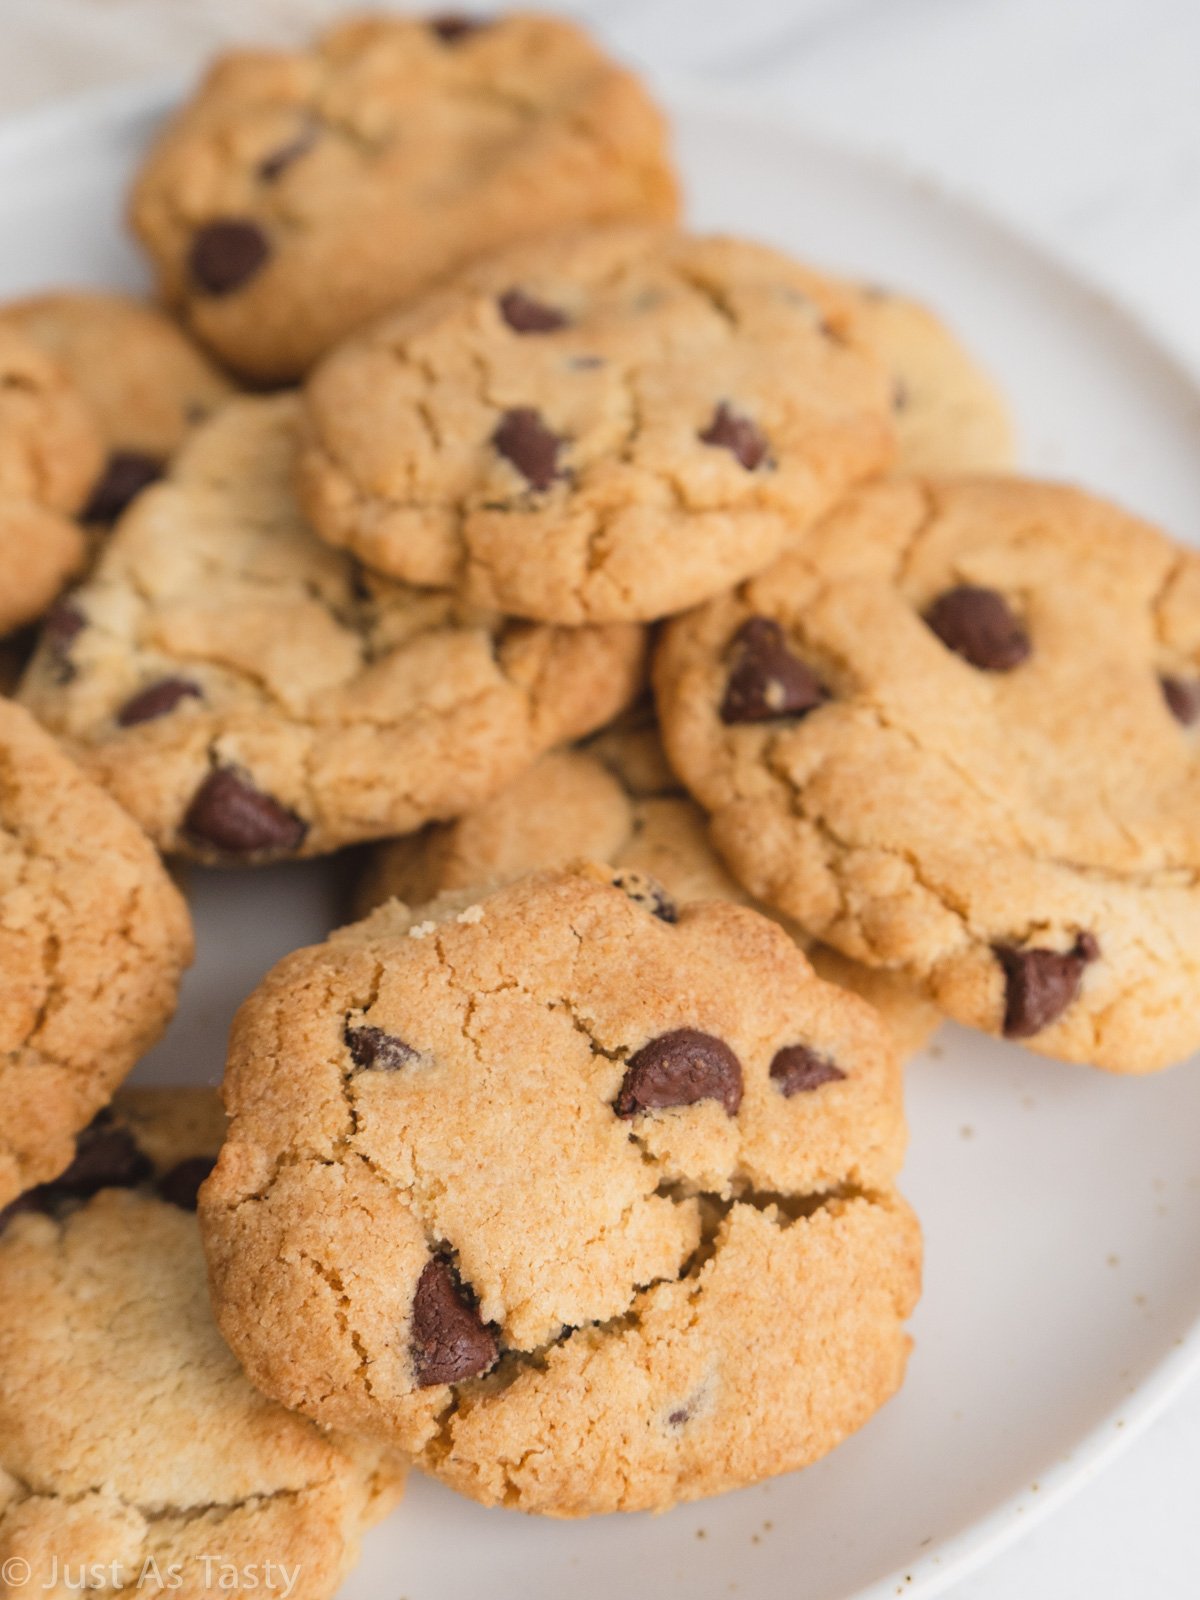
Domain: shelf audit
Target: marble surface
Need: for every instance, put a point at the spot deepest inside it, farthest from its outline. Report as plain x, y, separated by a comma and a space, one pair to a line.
1079, 120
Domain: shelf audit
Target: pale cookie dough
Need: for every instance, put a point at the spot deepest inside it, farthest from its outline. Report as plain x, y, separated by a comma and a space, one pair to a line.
954, 733
93, 940
592, 803
128, 1433
611, 425
298, 194
146, 382
589, 1210
949, 415
50, 453
246, 693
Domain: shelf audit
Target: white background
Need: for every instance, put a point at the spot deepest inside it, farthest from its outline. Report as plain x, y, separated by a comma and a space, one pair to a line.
1080, 121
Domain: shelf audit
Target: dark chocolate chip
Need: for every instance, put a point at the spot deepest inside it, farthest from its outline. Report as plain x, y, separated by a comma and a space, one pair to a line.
157, 700
227, 253
767, 680
451, 26
799, 1070
106, 1157
648, 893
677, 1069
744, 440
275, 164
527, 315
679, 1417
1041, 984
1183, 699
61, 626
524, 439
228, 812
373, 1049
449, 1342
979, 625
181, 1184
125, 475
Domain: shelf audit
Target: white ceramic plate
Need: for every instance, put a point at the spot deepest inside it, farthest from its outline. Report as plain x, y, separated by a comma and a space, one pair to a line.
1062, 1208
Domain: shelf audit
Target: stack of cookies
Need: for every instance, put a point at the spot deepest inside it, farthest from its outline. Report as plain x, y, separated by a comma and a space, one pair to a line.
717, 712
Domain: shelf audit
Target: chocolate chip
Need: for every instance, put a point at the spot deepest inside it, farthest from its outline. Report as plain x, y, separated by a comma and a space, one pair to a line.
106, 1157
767, 680
648, 893
677, 1069
744, 440
679, 1417
126, 474
1041, 984
181, 1184
61, 626
373, 1049
527, 315
899, 395
276, 164
157, 700
1183, 699
979, 625
449, 1342
452, 26
524, 439
227, 253
228, 812
799, 1070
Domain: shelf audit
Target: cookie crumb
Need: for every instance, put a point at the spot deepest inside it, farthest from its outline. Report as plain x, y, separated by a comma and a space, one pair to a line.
471, 914
420, 929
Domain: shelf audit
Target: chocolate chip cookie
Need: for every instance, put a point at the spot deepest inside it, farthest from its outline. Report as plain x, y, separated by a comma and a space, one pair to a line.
615, 424
954, 733
50, 453
298, 194
248, 694
613, 801
93, 939
147, 384
589, 1208
128, 1434
949, 414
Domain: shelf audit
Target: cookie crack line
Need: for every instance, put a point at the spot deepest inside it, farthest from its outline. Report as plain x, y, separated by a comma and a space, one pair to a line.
155, 1511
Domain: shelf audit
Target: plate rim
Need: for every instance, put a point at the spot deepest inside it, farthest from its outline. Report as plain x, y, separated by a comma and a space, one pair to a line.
948, 1560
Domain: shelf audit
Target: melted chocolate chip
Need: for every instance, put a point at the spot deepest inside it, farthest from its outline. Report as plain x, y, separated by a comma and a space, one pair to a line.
767, 680
1183, 699
979, 625
744, 440
527, 315
449, 1342
106, 1157
181, 1184
648, 893
798, 1070
524, 439
452, 26
373, 1049
126, 474
677, 1069
1041, 984
228, 812
227, 253
275, 164
61, 626
157, 700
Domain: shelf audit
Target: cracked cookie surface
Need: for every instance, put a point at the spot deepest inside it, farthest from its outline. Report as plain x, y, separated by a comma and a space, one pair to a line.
249, 694
949, 414
614, 800
145, 381
128, 1433
589, 1210
993, 786
609, 425
94, 938
50, 452
298, 194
